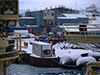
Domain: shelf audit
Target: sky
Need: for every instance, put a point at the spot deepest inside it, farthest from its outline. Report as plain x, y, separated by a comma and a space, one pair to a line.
42, 4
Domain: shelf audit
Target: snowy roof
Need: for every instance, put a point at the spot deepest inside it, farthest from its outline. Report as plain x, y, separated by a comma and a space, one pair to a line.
76, 15
67, 18
26, 18
76, 29
21, 31
31, 25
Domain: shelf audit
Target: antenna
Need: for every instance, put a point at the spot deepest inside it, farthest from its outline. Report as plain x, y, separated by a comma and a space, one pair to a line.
76, 5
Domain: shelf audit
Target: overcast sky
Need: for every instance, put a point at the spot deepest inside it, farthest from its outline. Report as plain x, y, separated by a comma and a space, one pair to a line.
41, 4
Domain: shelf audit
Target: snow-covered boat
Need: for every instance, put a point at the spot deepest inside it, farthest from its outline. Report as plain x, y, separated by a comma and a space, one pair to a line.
40, 54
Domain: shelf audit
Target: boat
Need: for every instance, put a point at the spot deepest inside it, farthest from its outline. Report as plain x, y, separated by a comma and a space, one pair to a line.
40, 54
91, 8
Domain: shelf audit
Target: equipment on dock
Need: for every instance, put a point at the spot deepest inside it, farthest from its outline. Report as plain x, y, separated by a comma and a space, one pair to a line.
42, 49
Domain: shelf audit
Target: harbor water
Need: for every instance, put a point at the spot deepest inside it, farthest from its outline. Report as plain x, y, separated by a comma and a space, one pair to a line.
25, 69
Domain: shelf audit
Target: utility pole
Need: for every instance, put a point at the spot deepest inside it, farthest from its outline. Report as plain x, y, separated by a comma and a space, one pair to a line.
76, 5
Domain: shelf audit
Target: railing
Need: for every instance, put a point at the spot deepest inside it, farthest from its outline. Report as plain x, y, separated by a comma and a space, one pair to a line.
11, 53
82, 33
93, 69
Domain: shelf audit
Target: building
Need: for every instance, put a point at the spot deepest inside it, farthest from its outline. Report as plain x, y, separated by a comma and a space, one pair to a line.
62, 9
72, 18
44, 20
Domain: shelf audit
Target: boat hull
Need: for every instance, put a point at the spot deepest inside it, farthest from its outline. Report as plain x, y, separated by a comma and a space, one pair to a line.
41, 61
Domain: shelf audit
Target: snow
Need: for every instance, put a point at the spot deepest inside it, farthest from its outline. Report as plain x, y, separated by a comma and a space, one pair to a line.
30, 35
66, 60
94, 54
67, 56
67, 28
97, 21
26, 18
74, 28
85, 60
72, 53
76, 15
67, 18
23, 32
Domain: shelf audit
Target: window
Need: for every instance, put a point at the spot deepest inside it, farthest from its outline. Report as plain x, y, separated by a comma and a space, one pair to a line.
80, 20
8, 7
52, 14
44, 14
85, 20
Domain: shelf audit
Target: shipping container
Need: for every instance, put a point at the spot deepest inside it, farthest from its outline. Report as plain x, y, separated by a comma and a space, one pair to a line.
42, 49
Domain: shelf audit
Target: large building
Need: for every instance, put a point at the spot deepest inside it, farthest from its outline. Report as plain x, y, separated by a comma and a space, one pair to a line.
45, 19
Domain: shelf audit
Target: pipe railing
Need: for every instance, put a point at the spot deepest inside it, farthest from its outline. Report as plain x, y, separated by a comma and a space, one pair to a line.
18, 41
86, 31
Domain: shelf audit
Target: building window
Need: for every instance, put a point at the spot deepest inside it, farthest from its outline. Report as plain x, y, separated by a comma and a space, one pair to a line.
52, 14
8, 7
44, 14
35, 14
80, 20
85, 20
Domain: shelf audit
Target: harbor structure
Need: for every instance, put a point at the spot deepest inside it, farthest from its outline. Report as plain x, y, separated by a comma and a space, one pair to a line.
9, 15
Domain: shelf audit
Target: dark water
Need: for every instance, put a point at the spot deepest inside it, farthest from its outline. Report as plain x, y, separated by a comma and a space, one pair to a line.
25, 69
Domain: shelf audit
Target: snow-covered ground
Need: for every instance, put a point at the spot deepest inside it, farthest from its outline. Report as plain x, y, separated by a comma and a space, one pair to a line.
97, 21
